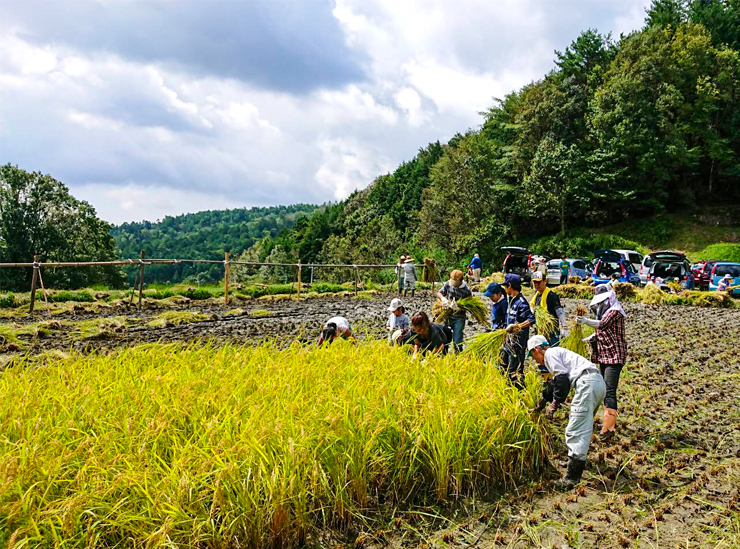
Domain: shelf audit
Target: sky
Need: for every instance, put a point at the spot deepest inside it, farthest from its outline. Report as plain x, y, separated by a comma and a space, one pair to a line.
147, 108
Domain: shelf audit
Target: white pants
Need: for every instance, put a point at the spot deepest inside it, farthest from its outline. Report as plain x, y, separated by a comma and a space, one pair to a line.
476, 275
590, 391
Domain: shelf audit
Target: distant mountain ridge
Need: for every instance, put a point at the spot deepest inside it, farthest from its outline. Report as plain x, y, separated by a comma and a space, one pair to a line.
202, 235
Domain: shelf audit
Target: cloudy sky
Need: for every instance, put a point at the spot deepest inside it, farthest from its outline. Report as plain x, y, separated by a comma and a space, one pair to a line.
147, 108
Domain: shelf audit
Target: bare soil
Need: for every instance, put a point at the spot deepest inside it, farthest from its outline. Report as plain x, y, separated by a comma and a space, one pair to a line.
671, 478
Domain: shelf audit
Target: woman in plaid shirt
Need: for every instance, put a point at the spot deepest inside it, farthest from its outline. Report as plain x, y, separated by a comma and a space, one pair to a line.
609, 350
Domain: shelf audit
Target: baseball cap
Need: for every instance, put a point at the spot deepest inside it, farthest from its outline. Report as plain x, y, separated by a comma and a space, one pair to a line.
493, 288
513, 280
395, 304
536, 341
537, 276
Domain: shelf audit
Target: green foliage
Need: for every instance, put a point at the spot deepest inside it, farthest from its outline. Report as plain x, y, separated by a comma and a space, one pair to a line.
581, 244
39, 217
724, 252
8, 301
202, 235
81, 296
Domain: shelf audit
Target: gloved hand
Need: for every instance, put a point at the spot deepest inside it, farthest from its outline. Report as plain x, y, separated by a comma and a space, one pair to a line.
445, 302
540, 406
588, 321
551, 409
579, 319
511, 328
564, 332
454, 306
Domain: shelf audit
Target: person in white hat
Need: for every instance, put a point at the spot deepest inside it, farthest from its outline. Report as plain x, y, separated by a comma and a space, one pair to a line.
569, 369
725, 283
398, 319
609, 346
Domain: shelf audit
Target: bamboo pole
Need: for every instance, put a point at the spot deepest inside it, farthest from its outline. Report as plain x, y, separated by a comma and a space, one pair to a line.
355, 280
299, 279
43, 292
33, 282
141, 278
227, 273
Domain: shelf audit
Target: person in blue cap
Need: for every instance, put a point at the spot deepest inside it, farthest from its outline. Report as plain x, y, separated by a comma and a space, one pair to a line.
519, 318
497, 295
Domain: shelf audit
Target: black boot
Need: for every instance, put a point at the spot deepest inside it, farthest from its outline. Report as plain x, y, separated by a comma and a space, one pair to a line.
572, 476
404, 293
413, 292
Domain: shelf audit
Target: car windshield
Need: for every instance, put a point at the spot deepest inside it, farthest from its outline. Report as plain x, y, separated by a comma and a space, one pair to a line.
607, 268
517, 261
732, 270
635, 258
553, 264
668, 270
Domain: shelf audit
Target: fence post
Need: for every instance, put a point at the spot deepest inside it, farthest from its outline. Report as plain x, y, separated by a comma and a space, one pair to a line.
33, 283
141, 278
299, 279
227, 272
355, 280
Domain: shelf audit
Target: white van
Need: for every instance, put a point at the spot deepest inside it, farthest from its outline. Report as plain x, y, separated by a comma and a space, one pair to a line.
633, 257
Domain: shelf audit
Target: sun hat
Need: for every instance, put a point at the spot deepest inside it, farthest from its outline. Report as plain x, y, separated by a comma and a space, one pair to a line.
602, 294
493, 288
537, 276
395, 305
728, 276
536, 341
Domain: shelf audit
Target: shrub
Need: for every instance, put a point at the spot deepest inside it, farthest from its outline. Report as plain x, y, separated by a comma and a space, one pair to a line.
66, 295
8, 301
724, 252
581, 246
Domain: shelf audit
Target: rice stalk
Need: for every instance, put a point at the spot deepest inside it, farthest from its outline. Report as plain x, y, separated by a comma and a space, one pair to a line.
574, 340
429, 273
545, 322
471, 305
487, 345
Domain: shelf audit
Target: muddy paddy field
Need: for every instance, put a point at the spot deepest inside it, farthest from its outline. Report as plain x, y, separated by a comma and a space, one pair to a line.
670, 479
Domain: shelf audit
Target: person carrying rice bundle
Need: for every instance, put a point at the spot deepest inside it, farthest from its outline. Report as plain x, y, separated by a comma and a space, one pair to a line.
567, 370
410, 276
609, 345
519, 318
549, 302
451, 292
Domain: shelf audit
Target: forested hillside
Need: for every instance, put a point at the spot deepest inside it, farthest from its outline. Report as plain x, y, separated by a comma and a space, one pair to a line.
203, 235
620, 129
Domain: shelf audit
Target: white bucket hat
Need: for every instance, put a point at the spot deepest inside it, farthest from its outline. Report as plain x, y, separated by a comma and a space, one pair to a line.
395, 305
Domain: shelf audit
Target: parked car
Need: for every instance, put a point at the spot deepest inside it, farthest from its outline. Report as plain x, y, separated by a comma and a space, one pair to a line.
632, 256
578, 267
703, 273
719, 271
659, 257
518, 261
608, 262
663, 272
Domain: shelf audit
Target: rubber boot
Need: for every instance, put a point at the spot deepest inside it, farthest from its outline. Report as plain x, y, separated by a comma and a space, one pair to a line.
413, 292
404, 293
609, 425
572, 476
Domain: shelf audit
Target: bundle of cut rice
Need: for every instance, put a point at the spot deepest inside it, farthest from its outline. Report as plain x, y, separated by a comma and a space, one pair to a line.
574, 340
487, 345
429, 273
545, 322
472, 305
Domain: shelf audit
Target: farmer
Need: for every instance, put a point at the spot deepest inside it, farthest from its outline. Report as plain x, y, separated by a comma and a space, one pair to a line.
399, 273
550, 301
498, 310
476, 265
609, 345
409, 276
428, 337
564, 270
398, 319
519, 317
725, 283
337, 326
569, 369
451, 292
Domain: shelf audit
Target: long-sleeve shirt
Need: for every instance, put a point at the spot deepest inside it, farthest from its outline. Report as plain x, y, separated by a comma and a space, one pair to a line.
475, 263
409, 272
519, 311
498, 313
450, 292
566, 367
611, 341
398, 322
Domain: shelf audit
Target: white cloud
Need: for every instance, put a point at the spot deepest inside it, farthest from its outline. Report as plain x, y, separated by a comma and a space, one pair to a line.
347, 165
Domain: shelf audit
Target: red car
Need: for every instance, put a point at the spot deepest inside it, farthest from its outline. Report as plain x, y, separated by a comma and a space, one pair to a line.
702, 272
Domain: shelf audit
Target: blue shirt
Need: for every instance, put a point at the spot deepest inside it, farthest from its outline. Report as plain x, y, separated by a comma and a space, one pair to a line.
498, 314
476, 263
520, 311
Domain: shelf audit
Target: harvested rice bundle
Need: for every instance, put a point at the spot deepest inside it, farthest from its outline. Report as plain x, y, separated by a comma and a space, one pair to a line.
545, 322
652, 295
429, 273
486, 345
472, 305
574, 340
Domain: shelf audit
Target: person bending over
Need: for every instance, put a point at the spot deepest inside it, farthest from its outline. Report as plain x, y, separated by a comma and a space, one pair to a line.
335, 327
428, 337
569, 369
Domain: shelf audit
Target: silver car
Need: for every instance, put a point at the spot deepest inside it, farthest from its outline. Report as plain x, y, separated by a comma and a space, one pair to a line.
578, 267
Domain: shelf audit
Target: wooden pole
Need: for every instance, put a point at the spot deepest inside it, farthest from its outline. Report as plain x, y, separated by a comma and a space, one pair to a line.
141, 278
227, 272
33, 283
355, 281
43, 292
299, 279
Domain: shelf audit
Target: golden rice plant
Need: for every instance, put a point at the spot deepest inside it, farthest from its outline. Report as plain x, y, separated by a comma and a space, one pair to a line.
546, 323
487, 345
574, 340
195, 446
471, 305
429, 273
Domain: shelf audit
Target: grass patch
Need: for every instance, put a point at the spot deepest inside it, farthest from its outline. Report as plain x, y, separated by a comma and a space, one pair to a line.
175, 318
260, 313
162, 445
723, 251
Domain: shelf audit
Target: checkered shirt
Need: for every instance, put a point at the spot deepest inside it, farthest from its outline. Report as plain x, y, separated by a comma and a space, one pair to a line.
611, 343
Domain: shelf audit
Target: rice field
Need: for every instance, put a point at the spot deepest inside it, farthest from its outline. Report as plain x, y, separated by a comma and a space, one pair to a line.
197, 446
